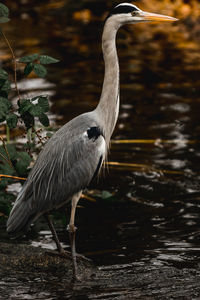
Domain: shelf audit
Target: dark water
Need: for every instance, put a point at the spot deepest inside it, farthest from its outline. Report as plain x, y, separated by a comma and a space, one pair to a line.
153, 213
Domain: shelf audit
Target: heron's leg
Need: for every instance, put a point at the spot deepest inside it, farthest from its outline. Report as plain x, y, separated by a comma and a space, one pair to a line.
72, 231
55, 236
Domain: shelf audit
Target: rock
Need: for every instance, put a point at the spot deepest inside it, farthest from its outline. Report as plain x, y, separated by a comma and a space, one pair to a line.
29, 273
19, 258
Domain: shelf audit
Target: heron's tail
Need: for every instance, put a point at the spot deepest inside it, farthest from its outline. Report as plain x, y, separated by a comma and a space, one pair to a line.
21, 216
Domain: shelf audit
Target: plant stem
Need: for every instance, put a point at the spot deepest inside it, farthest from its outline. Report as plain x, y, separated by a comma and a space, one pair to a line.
7, 159
7, 134
29, 135
14, 62
38, 136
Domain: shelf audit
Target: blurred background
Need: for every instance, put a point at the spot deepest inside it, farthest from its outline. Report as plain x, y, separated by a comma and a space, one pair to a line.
146, 207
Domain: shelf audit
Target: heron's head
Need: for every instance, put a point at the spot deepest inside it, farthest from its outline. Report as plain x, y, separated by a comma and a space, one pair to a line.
127, 13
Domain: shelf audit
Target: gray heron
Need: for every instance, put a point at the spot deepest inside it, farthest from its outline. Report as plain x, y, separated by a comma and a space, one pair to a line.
74, 154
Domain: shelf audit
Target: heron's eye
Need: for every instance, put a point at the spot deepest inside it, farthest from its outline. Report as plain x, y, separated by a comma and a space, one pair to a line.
134, 13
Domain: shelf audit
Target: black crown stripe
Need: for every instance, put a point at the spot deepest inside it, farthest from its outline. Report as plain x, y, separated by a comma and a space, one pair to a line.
123, 9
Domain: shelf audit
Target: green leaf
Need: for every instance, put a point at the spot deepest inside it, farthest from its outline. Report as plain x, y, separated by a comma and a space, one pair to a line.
28, 68
28, 146
28, 58
5, 203
4, 11
25, 156
2, 116
4, 108
5, 168
45, 59
11, 120
106, 194
43, 103
3, 74
11, 150
44, 120
22, 163
24, 106
36, 110
5, 102
28, 119
40, 70
5, 85
4, 20
49, 134
3, 94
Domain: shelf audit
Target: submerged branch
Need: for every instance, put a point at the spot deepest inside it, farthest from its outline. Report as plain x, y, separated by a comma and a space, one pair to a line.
141, 166
154, 141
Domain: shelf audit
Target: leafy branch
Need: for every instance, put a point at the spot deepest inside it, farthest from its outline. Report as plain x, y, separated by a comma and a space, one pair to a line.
35, 63
28, 109
15, 163
14, 61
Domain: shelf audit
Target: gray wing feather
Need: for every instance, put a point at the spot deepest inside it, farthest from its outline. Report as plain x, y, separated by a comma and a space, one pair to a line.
64, 167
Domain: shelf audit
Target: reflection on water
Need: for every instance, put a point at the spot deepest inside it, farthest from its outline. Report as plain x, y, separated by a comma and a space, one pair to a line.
152, 215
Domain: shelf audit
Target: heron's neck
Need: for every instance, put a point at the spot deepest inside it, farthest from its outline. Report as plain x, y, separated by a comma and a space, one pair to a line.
108, 107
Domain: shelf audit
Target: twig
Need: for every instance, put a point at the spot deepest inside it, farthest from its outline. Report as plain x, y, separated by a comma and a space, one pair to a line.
10, 176
38, 136
7, 153
14, 62
5, 158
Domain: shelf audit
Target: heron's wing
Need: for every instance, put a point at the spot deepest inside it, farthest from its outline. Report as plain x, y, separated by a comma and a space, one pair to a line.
66, 165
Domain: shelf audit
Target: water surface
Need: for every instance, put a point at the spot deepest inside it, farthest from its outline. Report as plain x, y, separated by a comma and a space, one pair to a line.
147, 207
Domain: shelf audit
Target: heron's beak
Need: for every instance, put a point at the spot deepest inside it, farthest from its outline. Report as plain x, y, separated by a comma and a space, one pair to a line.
146, 16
